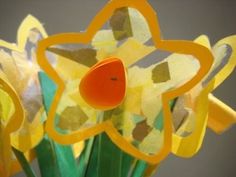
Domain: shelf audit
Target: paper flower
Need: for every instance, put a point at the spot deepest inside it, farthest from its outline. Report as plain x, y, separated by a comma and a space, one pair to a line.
21, 108
143, 115
106, 92
19, 70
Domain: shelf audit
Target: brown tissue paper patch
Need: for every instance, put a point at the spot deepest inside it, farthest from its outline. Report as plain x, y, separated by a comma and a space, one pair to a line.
141, 130
120, 24
161, 73
72, 118
179, 113
85, 56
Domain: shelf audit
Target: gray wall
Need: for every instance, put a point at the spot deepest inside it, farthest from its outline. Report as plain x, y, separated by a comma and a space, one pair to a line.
179, 19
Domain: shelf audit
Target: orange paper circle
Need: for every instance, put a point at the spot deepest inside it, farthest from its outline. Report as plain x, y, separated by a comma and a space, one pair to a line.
103, 87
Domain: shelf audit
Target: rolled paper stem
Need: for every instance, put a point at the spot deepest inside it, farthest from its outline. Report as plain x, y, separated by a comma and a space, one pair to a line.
84, 158
106, 154
24, 163
54, 159
139, 169
220, 116
150, 170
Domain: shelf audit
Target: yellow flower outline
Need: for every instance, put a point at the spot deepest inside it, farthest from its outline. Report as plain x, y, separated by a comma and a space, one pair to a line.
17, 119
184, 47
210, 111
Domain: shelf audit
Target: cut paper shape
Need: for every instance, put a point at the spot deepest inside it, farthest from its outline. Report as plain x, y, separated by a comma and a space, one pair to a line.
148, 146
69, 70
13, 120
72, 118
55, 159
221, 116
31, 138
19, 65
222, 54
139, 25
84, 56
24, 163
161, 73
126, 51
105, 40
141, 130
179, 113
103, 87
99, 100
193, 142
201, 53
120, 24
133, 101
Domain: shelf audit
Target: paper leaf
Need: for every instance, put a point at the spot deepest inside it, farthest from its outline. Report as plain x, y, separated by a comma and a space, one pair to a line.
86, 159
26, 166
54, 159
48, 89
139, 169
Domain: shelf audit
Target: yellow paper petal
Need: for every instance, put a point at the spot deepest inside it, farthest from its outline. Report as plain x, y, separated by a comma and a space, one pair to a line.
132, 102
139, 25
69, 69
7, 110
131, 51
9, 68
30, 134
139, 77
203, 40
152, 143
151, 102
26, 26
7, 107
188, 146
182, 68
188, 126
104, 40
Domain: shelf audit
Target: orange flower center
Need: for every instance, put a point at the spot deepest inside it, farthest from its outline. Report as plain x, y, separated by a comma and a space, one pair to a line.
103, 87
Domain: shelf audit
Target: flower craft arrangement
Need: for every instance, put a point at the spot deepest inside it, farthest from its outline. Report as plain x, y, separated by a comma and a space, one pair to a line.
101, 103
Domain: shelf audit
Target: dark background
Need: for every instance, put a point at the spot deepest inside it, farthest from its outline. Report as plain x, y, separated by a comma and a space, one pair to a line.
179, 19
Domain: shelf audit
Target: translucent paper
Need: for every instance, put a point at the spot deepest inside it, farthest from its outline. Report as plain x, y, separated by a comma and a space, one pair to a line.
77, 98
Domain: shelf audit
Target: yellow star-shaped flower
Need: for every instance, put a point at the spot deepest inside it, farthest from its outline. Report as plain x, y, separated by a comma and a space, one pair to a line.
77, 113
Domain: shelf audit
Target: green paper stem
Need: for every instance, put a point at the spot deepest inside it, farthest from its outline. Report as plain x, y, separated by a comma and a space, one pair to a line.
92, 167
84, 158
139, 169
54, 160
24, 163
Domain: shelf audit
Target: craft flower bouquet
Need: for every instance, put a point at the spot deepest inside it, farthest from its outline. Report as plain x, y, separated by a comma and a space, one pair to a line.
101, 103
